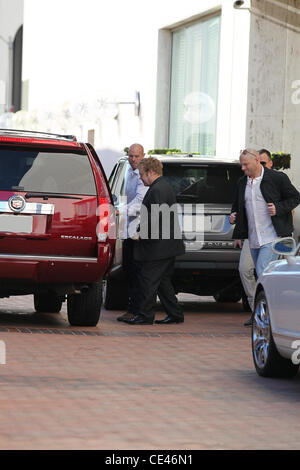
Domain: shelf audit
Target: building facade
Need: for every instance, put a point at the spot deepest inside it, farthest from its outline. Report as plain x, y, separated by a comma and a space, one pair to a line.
160, 73
11, 39
211, 77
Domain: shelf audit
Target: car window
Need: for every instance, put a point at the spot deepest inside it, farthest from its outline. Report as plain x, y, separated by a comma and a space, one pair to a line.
203, 183
112, 176
46, 171
121, 178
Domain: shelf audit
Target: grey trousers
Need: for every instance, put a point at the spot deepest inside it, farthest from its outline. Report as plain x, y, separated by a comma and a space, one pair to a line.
246, 270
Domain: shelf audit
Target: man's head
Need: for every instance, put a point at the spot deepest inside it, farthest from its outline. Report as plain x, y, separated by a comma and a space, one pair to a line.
135, 155
150, 169
250, 162
265, 158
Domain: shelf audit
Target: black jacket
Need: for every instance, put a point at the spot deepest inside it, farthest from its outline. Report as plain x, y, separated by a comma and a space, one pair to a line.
160, 235
275, 188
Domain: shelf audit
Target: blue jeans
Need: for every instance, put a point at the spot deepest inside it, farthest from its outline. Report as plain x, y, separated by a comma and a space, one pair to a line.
262, 257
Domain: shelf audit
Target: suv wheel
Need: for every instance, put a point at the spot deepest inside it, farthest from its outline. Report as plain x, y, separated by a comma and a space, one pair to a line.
84, 309
50, 303
228, 297
267, 360
115, 294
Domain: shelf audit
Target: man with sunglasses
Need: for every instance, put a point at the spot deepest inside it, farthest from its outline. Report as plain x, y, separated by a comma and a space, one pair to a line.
265, 158
262, 213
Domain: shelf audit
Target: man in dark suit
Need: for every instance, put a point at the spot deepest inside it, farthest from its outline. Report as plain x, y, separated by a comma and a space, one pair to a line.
160, 241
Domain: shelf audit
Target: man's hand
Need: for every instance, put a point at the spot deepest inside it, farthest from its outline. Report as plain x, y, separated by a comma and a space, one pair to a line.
117, 212
232, 218
237, 243
271, 209
136, 236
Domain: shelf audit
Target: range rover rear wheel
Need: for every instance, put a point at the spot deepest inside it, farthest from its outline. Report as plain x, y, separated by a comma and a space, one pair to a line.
115, 294
84, 309
50, 303
228, 297
267, 360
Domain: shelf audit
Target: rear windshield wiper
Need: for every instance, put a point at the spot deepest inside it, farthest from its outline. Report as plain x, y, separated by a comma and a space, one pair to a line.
46, 196
188, 196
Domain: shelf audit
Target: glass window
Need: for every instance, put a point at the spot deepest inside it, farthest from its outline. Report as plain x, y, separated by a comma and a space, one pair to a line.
42, 171
194, 86
203, 184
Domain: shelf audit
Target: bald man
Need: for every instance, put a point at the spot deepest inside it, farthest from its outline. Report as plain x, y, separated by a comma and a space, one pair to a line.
264, 202
246, 264
135, 191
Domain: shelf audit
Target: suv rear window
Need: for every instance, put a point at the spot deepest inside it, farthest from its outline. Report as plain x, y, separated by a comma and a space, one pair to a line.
203, 183
46, 171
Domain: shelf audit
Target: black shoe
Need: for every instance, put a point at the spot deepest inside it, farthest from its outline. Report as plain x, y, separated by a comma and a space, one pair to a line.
138, 320
249, 321
168, 320
126, 316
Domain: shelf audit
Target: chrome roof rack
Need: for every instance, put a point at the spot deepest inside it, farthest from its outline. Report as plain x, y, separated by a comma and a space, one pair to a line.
37, 134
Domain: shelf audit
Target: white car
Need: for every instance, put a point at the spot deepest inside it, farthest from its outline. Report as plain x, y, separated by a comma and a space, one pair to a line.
276, 321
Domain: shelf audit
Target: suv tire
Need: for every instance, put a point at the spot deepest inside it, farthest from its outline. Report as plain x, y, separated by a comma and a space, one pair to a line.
49, 303
228, 297
84, 309
115, 294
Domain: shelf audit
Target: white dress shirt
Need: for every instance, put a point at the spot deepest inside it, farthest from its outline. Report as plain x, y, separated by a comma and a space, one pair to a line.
260, 227
135, 191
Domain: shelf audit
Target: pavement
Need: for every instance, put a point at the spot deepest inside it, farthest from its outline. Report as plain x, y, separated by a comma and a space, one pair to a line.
189, 386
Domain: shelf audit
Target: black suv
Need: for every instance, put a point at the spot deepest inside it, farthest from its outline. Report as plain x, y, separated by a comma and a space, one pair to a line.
209, 267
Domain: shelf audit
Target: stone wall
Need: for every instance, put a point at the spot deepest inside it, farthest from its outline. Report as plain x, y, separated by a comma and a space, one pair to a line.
273, 110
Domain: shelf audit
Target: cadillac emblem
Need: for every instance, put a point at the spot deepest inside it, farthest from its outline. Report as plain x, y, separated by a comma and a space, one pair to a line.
17, 203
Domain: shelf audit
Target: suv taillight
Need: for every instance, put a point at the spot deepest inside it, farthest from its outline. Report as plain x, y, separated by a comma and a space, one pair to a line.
106, 214
52, 142
103, 222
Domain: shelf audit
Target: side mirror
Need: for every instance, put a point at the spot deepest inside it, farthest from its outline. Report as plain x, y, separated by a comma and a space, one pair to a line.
284, 246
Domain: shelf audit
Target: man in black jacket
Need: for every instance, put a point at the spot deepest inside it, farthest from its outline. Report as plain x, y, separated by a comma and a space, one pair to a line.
160, 241
264, 202
246, 264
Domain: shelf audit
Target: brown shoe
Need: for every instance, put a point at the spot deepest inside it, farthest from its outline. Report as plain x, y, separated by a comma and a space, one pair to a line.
126, 316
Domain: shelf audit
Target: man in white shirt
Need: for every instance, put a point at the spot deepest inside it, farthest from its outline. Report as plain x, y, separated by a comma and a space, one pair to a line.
264, 202
134, 192
261, 232
246, 264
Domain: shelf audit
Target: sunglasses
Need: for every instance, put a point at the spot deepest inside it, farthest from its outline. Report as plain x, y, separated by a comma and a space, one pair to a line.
246, 152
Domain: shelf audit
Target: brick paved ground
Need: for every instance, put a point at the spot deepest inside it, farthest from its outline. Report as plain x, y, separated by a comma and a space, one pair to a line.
187, 386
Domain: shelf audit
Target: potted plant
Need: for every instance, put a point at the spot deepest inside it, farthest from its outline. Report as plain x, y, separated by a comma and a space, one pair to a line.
281, 160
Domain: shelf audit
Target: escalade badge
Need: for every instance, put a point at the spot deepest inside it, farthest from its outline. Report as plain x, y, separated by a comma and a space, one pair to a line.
16, 203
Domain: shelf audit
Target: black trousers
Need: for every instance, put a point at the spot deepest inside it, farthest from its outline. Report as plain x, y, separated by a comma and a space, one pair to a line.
154, 278
131, 268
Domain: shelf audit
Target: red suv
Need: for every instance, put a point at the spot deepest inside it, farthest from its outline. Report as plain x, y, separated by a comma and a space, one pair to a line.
56, 223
